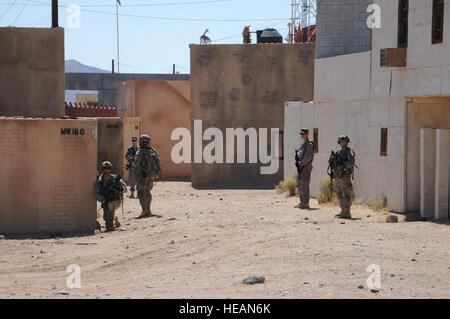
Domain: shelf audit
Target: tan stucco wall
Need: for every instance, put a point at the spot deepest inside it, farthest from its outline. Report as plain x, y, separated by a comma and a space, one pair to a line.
246, 86
32, 72
162, 106
47, 176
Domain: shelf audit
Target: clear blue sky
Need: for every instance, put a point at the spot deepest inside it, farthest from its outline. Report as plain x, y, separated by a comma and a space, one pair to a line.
148, 45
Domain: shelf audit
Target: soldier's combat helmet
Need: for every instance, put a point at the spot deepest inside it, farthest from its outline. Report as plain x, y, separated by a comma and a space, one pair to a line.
145, 139
107, 164
343, 138
134, 139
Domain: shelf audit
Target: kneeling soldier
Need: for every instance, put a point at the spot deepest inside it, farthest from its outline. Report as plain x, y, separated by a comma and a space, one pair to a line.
108, 190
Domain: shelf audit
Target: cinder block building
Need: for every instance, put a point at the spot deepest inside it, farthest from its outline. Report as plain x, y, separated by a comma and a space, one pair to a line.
245, 86
384, 99
47, 164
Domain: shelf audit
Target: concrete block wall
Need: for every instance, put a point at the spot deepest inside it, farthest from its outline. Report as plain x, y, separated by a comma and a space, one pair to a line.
47, 185
32, 72
106, 83
427, 172
246, 86
442, 174
342, 27
434, 173
427, 72
342, 97
292, 114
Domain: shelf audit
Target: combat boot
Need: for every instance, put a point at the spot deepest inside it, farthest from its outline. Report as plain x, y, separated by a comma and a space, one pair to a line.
145, 213
341, 214
345, 214
302, 206
116, 222
348, 215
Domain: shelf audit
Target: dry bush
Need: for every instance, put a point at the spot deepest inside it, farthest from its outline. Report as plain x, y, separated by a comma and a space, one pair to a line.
378, 203
288, 186
326, 194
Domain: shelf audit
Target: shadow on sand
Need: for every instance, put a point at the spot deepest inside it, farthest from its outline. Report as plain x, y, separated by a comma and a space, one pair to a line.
49, 235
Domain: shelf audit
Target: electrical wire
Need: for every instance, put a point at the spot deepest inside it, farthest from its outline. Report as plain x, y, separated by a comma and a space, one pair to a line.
170, 18
9, 8
20, 13
43, 4
156, 4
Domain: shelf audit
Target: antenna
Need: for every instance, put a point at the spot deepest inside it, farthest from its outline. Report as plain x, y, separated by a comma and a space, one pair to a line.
303, 16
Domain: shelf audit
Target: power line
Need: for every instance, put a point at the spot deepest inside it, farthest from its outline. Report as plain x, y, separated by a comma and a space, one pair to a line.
9, 8
156, 4
171, 18
43, 4
20, 13
183, 19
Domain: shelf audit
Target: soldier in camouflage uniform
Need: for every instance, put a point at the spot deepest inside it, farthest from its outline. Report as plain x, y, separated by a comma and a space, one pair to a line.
148, 168
108, 190
130, 156
343, 184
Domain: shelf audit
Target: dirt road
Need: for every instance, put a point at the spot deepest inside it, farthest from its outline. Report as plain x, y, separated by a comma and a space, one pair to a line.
208, 241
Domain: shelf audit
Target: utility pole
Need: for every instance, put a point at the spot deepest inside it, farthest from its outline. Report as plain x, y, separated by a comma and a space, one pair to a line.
117, 22
55, 14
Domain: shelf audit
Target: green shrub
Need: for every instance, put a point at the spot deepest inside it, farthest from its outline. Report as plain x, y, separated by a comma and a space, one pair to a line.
288, 186
325, 194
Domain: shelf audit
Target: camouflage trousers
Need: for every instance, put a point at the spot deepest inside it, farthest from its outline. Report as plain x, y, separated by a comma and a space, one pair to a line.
303, 185
108, 217
144, 186
344, 191
109, 213
132, 178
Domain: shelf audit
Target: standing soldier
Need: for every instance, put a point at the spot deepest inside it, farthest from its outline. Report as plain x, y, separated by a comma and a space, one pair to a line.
130, 156
303, 161
108, 190
345, 163
148, 168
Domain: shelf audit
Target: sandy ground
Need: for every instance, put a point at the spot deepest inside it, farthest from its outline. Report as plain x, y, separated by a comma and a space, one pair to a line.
208, 241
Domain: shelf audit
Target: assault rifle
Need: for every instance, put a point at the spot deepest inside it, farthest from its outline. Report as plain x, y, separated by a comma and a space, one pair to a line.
333, 163
297, 160
130, 160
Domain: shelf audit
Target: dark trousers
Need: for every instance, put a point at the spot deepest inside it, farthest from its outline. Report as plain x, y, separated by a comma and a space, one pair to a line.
303, 184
